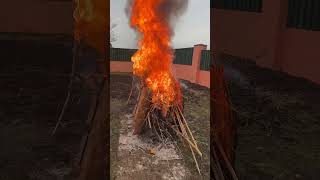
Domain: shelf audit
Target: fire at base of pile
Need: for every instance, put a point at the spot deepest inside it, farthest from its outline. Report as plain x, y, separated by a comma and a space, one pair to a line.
169, 125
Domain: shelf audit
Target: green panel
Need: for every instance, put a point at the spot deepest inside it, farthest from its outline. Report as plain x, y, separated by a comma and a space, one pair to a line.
239, 5
183, 56
205, 60
316, 16
290, 18
308, 14
304, 14
119, 54
219, 4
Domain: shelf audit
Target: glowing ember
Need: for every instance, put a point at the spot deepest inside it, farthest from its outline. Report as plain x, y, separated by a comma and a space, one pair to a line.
152, 62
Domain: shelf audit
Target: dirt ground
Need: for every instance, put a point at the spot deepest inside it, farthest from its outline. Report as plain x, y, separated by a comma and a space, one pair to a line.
278, 120
278, 123
130, 157
33, 81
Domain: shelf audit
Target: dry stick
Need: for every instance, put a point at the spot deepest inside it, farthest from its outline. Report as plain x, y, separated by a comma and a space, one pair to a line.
149, 123
75, 51
151, 110
169, 135
97, 102
186, 134
181, 126
162, 137
219, 174
130, 90
224, 156
189, 142
147, 118
195, 142
175, 122
180, 123
154, 128
194, 157
191, 145
138, 98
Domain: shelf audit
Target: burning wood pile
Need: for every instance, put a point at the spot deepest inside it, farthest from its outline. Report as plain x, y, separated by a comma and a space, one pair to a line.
160, 103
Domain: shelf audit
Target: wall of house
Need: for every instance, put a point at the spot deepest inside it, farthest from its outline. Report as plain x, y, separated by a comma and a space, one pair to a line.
300, 54
264, 38
48, 17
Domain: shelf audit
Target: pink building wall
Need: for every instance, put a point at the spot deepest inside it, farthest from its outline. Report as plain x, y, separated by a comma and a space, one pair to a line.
190, 73
204, 78
197, 49
264, 38
120, 66
50, 17
183, 72
301, 54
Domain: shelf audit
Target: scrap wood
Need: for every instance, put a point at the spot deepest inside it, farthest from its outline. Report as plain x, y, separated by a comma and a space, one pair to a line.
226, 161
215, 166
223, 128
224, 124
141, 110
149, 115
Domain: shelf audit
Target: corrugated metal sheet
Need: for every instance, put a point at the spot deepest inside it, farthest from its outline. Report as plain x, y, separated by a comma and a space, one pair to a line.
205, 60
240, 5
120, 54
183, 56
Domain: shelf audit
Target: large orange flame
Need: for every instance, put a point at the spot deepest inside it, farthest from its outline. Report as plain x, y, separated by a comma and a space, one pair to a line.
152, 62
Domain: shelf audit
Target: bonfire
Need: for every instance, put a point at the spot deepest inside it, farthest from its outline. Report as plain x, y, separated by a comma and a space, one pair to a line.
160, 103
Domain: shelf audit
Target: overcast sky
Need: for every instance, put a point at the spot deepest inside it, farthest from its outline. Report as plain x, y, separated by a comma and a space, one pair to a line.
193, 27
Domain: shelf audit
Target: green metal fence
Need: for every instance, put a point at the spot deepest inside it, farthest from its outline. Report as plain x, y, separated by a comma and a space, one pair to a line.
239, 5
119, 54
304, 14
183, 56
205, 60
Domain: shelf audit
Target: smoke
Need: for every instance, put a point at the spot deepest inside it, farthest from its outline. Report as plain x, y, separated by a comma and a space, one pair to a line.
170, 10
128, 8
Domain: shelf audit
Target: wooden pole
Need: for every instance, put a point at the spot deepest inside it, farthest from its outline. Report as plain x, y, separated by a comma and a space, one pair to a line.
142, 108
